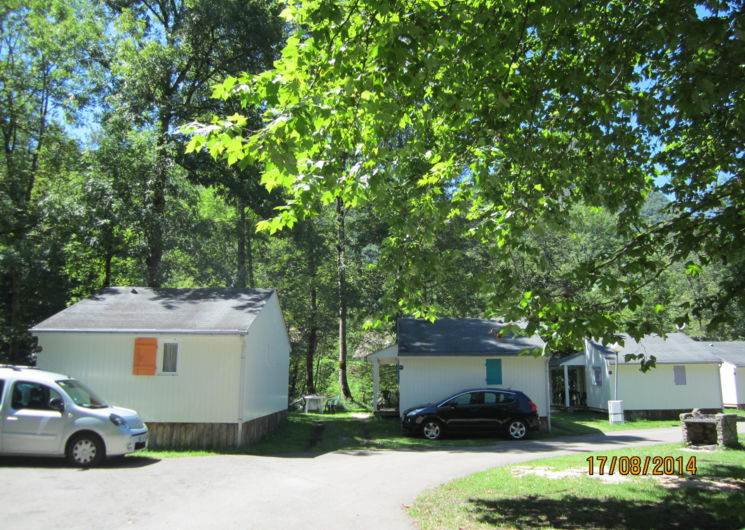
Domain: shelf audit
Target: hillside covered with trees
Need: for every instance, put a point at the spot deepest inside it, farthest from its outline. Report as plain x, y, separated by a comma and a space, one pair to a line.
576, 166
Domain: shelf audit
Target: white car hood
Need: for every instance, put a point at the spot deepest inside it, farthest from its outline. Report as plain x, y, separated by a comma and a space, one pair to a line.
130, 416
134, 422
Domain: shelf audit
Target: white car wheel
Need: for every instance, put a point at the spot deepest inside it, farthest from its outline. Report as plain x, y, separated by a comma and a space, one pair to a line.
517, 429
432, 429
85, 450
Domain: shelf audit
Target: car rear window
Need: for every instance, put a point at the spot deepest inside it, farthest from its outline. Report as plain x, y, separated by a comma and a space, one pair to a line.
503, 397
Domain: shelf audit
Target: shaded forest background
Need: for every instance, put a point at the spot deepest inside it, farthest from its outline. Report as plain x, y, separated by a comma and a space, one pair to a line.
96, 190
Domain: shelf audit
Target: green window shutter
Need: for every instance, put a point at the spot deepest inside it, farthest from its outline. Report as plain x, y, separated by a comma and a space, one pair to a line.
494, 371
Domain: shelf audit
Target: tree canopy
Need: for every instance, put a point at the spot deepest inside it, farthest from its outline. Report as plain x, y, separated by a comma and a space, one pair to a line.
503, 117
577, 165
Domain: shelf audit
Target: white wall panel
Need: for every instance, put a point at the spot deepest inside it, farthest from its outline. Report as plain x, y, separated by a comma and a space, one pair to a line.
656, 389
733, 384
205, 388
428, 379
266, 363
597, 395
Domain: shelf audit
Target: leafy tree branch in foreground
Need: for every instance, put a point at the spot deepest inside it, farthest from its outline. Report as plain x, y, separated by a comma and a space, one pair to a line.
503, 117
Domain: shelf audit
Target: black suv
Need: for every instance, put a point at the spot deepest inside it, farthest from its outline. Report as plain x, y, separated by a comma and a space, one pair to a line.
477, 410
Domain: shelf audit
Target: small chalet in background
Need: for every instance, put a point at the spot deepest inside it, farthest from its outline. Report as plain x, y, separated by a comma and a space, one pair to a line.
686, 376
436, 359
203, 367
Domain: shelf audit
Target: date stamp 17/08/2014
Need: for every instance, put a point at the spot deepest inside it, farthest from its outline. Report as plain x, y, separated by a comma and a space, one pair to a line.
636, 465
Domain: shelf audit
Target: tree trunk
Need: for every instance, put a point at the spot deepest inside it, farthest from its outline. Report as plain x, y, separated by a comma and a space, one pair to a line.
14, 350
342, 288
307, 239
107, 268
294, 368
250, 255
240, 280
310, 354
157, 200
155, 234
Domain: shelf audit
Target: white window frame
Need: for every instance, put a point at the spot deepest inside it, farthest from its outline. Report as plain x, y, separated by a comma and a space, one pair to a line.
679, 375
162, 357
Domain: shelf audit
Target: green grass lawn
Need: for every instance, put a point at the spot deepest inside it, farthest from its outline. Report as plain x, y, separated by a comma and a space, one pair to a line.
559, 493
321, 433
586, 422
516, 497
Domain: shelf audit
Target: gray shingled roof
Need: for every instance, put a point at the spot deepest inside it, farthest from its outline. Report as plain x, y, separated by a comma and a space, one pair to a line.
460, 336
677, 348
571, 360
732, 352
142, 309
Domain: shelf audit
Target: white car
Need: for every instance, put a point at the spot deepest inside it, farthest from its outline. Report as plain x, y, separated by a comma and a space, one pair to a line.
48, 414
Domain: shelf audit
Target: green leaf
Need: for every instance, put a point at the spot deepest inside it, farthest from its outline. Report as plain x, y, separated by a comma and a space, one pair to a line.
693, 269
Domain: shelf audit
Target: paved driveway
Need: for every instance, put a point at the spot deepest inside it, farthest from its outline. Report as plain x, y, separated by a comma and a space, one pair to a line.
354, 490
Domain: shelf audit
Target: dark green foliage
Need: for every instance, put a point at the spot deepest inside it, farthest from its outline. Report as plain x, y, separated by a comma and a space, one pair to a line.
43, 80
498, 121
506, 172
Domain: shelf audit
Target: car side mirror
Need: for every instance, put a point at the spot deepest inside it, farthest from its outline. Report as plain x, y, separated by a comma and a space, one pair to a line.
57, 404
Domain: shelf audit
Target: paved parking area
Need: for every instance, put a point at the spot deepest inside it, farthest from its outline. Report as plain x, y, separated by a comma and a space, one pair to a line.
359, 490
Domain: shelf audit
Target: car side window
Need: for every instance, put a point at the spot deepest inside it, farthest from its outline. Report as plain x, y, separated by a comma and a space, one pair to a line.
491, 398
503, 398
2, 385
477, 398
463, 399
35, 396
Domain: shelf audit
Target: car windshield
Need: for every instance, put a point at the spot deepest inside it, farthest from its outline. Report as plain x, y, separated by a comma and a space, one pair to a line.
81, 395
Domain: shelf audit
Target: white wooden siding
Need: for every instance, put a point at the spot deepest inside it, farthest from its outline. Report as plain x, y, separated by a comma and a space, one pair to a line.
653, 390
656, 389
428, 379
205, 388
266, 363
733, 384
597, 395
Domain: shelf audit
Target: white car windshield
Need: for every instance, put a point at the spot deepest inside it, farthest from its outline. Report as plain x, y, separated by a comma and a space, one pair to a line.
81, 395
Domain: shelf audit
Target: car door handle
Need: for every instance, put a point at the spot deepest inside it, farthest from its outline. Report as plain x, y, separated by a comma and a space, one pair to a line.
11, 418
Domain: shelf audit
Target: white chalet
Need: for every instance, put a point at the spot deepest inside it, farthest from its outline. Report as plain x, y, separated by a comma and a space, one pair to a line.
436, 359
203, 367
686, 376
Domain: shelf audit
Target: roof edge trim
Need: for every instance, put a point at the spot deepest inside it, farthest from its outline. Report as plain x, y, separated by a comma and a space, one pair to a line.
520, 353
150, 331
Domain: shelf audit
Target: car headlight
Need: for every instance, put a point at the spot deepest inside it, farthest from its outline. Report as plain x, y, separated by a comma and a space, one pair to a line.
414, 412
117, 420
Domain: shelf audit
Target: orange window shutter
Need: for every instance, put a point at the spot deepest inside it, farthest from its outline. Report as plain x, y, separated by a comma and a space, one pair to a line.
145, 355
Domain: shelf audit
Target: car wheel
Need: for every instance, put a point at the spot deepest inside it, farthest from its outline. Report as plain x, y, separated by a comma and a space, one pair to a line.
516, 429
432, 429
85, 450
